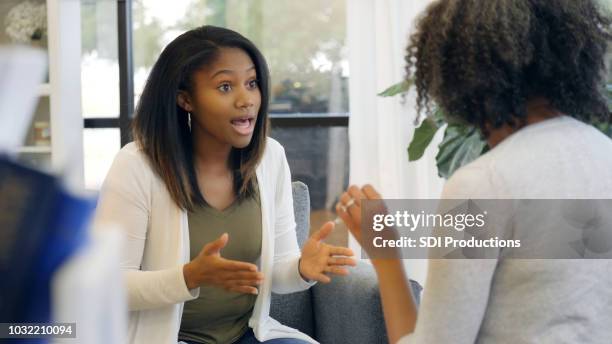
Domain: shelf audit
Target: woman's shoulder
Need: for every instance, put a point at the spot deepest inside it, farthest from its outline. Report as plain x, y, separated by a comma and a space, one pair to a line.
474, 180
132, 152
273, 151
273, 162
131, 160
274, 146
131, 149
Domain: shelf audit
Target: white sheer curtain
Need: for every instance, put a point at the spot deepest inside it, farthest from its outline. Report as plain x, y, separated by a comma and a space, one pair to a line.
380, 129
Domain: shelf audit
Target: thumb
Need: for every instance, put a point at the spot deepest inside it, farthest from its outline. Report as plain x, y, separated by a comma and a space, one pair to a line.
324, 231
216, 246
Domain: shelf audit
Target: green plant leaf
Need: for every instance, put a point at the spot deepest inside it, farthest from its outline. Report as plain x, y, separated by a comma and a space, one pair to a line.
396, 89
438, 116
460, 146
605, 128
422, 138
424, 134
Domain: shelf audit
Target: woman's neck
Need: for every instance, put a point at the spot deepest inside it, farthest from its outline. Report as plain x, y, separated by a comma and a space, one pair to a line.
210, 155
538, 110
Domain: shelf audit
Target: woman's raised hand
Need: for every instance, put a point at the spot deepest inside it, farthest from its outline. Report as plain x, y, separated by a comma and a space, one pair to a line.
349, 208
209, 268
319, 258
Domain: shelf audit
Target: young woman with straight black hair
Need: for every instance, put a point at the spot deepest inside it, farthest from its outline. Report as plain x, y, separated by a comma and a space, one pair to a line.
205, 199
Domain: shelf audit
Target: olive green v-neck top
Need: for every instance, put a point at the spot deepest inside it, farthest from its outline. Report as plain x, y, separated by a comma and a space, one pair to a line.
217, 315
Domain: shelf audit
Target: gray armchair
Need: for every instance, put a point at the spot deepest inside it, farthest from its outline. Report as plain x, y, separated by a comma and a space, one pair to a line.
347, 310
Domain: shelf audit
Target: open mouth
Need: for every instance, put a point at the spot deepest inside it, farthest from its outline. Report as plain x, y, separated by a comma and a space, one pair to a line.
242, 122
243, 125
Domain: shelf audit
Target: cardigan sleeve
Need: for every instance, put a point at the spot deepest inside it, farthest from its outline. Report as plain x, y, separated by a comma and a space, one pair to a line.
286, 277
125, 201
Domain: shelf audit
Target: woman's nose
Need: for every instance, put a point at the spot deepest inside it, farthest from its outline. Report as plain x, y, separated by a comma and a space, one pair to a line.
245, 99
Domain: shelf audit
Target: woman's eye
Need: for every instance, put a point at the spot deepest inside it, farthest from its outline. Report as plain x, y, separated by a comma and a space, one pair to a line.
225, 88
253, 83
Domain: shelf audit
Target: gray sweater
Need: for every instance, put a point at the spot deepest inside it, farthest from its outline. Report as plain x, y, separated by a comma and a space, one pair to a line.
525, 301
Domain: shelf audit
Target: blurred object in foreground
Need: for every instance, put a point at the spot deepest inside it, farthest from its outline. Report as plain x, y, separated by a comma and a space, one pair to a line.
44, 228
93, 271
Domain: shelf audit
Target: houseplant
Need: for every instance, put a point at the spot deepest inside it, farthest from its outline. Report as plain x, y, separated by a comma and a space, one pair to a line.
461, 143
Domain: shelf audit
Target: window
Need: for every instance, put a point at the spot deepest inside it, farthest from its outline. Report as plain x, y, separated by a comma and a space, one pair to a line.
99, 88
303, 42
100, 147
99, 63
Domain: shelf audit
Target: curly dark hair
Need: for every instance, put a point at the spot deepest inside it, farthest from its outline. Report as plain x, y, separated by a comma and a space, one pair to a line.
480, 61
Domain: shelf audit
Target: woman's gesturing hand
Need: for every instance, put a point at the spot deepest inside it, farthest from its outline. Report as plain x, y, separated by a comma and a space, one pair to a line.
319, 258
209, 268
349, 208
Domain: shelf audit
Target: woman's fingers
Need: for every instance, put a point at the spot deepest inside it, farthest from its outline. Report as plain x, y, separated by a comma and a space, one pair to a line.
235, 265
214, 270
242, 275
243, 283
351, 215
322, 278
323, 232
244, 290
349, 207
353, 226
355, 193
346, 217
352, 206
336, 270
340, 251
370, 192
341, 261
215, 246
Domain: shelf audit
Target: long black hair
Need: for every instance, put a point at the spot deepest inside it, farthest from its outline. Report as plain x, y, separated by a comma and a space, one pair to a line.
160, 126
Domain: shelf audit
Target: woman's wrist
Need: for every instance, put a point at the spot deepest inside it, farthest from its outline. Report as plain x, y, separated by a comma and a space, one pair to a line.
188, 276
383, 266
300, 271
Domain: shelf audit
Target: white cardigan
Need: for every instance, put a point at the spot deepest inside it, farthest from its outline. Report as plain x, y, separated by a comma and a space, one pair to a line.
157, 245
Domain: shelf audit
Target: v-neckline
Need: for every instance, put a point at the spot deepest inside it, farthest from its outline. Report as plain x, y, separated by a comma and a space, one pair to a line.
222, 213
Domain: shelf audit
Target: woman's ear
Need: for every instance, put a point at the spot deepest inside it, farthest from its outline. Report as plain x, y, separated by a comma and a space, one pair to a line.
184, 100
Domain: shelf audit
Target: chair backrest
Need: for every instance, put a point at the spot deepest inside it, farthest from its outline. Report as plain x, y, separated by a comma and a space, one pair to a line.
301, 209
295, 310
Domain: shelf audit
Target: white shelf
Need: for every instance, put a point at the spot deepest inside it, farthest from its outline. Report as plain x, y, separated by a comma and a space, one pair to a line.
44, 90
59, 97
66, 119
35, 149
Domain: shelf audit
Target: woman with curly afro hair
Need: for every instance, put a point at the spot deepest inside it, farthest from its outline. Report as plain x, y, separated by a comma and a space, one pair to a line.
527, 73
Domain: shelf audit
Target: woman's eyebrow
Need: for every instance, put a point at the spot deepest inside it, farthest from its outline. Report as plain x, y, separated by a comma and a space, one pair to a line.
229, 71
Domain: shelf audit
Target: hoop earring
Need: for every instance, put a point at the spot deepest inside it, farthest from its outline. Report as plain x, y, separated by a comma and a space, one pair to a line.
189, 120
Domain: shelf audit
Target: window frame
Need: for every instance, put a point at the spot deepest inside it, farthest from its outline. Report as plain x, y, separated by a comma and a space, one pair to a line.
126, 90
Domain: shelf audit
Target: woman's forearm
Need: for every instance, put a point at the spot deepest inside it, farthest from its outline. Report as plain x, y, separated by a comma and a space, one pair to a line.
154, 289
399, 309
